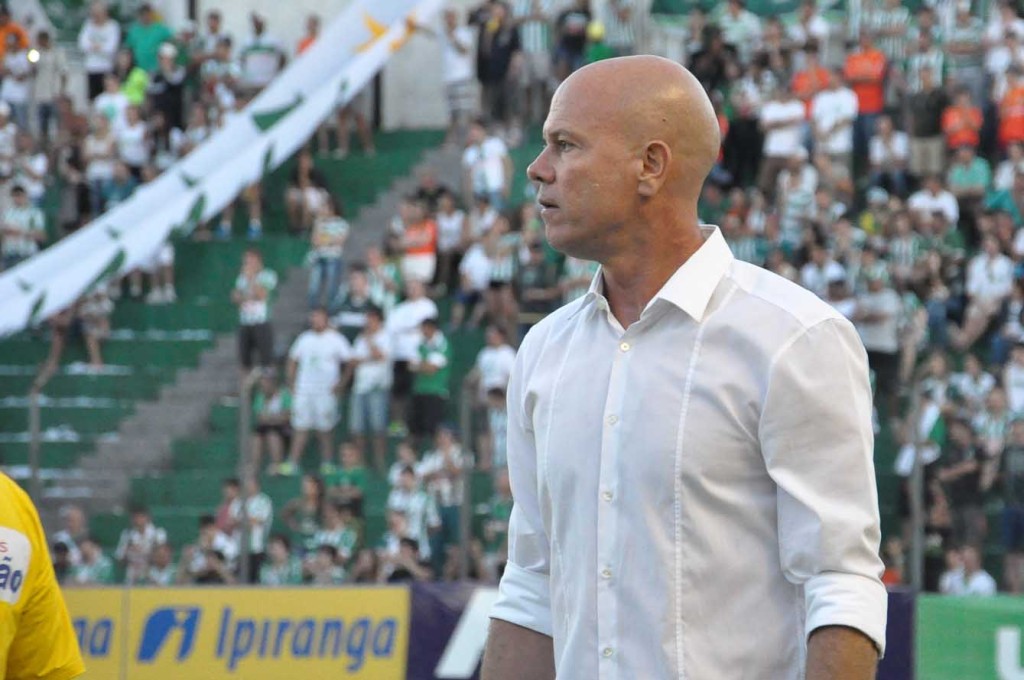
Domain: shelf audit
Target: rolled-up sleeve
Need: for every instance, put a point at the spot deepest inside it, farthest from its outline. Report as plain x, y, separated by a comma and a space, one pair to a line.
817, 441
524, 596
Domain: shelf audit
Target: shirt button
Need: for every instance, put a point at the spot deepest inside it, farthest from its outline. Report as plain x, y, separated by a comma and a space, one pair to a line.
612, 419
624, 347
607, 495
606, 573
607, 652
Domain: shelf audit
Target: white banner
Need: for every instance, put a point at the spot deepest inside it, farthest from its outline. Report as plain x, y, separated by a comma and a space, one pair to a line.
349, 52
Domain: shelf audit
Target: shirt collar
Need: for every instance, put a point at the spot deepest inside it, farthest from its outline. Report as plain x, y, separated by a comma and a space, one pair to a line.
691, 286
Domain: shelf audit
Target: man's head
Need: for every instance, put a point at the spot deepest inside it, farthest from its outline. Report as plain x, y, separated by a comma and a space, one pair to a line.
252, 260
429, 327
90, 550
19, 196
477, 132
213, 19
98, 11
496, 336
140, 518
972, 559
74, 519
965, 154
374, 319
358, 282
146, 14
415, 290
318, 320
259, 24
161, 556
279, 548
612, 164
451, 18
313, 24
407, 478
230, 489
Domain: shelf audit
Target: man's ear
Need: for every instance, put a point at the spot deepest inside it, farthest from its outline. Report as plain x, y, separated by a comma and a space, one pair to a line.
656, 159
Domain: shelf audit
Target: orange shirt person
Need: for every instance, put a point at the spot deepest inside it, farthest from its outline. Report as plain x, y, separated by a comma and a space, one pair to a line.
961, 122
865, 71
810, 81
9, 26
1011, 110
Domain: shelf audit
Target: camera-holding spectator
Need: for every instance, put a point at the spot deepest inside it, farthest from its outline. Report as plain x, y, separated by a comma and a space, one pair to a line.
281, 567
162, 570
498, 61
99, 40
487, 167
419, 508
22, 229
973, 384
405, 456
323, 569
406, 564
315, 363
571, 38
95, 568
253, 288
210, 558
927, 128
137, 544
833, 112
133, 142
220, 76
256, 512
969, 577
271, 411
302, 514
330, 231
371, 386
337, 531
442, 473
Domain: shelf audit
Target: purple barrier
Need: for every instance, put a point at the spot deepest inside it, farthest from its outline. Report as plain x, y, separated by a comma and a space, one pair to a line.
437, 610
898, 663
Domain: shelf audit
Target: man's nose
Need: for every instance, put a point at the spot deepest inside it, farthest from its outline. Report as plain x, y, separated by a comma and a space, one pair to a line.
540, 169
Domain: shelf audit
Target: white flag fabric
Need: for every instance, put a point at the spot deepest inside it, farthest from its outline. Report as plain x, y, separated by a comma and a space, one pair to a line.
346, 56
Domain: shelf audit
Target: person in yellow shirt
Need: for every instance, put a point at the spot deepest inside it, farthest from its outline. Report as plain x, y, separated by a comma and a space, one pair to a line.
36, 637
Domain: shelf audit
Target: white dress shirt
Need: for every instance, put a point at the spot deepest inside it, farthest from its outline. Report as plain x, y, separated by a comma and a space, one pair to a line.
695, 494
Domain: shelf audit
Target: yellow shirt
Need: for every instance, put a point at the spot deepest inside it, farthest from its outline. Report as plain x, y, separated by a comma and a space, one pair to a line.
36, 637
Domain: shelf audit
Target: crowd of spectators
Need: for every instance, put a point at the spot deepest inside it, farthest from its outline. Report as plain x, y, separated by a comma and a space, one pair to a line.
875, 157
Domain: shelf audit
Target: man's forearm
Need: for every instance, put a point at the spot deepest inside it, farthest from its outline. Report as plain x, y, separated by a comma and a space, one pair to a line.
514, 652
840, 653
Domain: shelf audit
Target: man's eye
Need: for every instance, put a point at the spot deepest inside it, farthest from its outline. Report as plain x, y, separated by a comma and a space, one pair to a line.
562, 145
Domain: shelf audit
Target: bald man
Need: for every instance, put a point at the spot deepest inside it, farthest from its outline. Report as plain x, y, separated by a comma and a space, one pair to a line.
687, 505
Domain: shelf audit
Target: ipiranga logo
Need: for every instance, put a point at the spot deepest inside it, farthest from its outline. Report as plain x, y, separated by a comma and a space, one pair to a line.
159, 627
240, 638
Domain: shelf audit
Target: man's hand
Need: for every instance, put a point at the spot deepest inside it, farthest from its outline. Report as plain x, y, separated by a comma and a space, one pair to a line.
840, 653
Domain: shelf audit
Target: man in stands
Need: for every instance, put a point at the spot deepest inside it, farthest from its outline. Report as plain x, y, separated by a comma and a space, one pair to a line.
314, 374
252, 292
